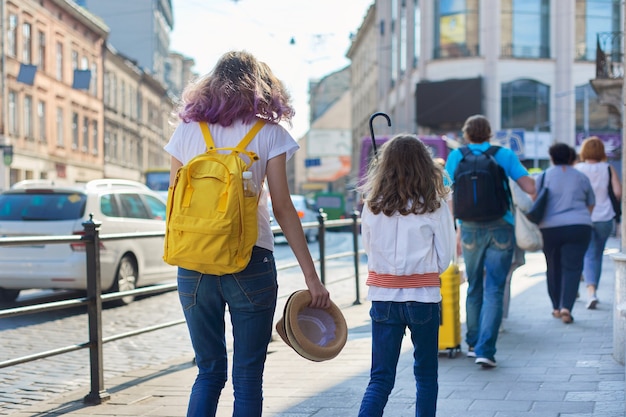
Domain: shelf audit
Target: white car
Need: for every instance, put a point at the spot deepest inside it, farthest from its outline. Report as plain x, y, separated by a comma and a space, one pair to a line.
306, 214
39, 208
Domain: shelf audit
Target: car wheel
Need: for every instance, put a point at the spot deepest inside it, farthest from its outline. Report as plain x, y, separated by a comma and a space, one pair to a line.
126, 279
8, 296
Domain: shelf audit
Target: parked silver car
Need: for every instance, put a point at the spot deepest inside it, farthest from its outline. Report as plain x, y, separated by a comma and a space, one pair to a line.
306, 214
40, 208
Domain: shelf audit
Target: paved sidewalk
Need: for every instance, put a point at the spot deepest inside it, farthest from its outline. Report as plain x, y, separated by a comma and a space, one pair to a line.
545, 369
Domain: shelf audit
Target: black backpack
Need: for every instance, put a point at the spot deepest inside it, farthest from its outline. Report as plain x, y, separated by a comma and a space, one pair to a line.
481, 188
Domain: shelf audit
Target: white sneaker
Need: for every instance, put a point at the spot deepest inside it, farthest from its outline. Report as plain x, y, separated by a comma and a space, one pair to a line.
486, 362
591, 303
470, 352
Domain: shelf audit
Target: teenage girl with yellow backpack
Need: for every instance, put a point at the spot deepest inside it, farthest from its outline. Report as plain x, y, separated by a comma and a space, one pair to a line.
237, 93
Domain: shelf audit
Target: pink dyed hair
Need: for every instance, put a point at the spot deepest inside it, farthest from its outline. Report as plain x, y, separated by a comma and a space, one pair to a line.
239, 87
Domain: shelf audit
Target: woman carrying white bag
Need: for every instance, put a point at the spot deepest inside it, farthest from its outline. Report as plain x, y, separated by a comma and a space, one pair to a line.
527, 238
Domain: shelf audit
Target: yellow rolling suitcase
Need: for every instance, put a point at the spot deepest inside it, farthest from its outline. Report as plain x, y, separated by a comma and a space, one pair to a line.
450, 322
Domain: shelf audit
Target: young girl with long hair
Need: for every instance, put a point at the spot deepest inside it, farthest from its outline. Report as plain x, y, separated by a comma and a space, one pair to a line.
239, 91
408, 235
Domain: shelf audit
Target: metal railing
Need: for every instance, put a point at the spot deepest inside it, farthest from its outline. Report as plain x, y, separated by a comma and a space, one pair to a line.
95, 298
610, 55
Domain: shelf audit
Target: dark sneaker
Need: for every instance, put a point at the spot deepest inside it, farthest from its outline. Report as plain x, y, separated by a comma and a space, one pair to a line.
486, 362
470, 352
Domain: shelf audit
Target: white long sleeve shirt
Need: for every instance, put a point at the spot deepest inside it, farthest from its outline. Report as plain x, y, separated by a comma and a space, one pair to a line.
406, 245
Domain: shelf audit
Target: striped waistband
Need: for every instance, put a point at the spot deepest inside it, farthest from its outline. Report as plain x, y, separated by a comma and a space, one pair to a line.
429, 279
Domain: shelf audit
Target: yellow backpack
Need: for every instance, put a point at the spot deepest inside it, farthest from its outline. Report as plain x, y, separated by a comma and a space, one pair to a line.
210, 226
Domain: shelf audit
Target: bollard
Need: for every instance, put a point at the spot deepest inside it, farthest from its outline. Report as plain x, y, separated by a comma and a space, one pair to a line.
98, 394
619, 305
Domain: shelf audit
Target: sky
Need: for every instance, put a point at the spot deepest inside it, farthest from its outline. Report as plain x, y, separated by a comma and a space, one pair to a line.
320, 30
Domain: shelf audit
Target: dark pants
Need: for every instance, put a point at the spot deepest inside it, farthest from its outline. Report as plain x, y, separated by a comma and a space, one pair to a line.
564, 248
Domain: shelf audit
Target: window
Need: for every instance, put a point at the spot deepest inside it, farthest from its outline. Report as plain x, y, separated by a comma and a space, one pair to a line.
418, 32
12, 36
106, 93
59, 61
157, 208
139, 106
394, 42
74, 130
593, 17
41, 52
525, 105
456, 28
94, 137
114, 148
113, 91
27, 48
41, 118
85, 146
525, 28
93, 87
74, 60
12, 119
28, 117
403, 38
133, 207
107, 145
60, 138
108, 206
123, 96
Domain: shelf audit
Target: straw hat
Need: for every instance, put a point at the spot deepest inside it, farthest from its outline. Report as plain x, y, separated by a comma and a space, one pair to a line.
314, 333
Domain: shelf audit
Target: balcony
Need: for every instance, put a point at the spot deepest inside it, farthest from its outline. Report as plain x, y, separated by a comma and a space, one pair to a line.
609, 69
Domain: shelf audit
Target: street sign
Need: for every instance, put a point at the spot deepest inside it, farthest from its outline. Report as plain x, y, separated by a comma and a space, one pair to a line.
312, 162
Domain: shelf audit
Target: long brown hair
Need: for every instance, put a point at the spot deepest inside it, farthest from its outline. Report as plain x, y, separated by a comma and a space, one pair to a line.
405, 179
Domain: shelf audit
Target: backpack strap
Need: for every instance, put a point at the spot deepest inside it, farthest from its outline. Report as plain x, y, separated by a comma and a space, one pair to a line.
492, 150
465, 150
241, 146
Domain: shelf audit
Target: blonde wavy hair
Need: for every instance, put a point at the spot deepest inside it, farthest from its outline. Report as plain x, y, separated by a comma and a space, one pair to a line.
404, 179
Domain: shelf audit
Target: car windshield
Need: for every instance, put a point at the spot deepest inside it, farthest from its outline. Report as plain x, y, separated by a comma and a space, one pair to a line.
42, 206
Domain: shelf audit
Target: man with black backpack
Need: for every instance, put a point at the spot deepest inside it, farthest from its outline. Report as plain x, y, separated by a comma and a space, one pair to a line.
481, 203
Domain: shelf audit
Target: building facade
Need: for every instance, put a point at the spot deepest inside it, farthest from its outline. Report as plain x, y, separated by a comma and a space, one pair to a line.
363, 56
139, 29
136, 122
525, 64
52, 91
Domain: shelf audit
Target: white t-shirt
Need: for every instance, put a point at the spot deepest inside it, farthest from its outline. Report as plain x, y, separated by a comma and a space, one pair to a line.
272, 140
598, 174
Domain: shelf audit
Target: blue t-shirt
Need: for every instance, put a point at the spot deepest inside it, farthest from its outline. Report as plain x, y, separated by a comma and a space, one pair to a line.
505, 157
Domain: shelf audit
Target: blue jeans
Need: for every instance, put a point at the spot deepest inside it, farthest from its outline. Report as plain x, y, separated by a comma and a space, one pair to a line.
600, 232
389, 321
251, 298
488, 252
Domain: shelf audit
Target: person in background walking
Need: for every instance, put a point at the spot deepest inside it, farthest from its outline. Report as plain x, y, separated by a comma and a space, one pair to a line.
488, 248
239, 91
408, 235
593, 164
566, 228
